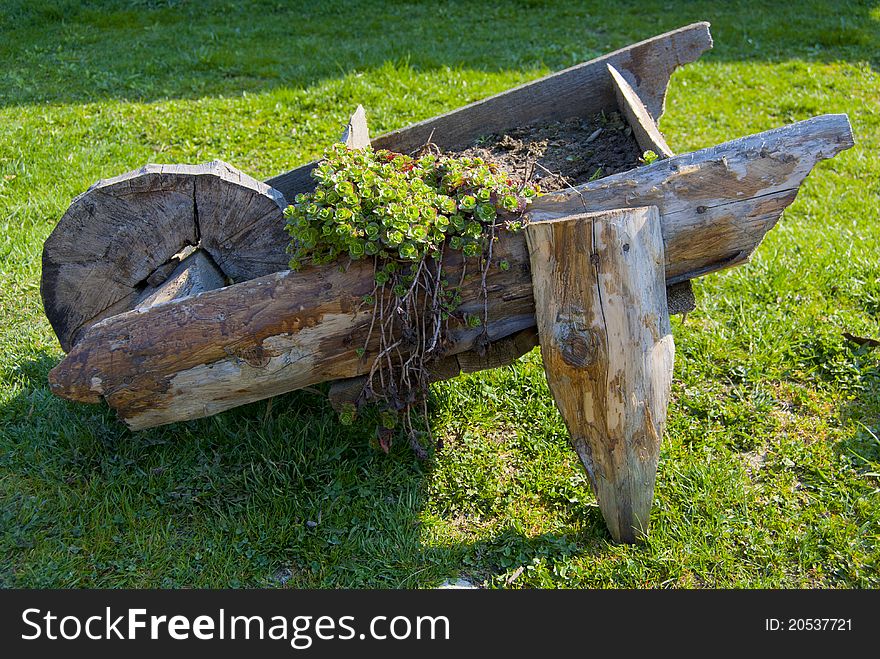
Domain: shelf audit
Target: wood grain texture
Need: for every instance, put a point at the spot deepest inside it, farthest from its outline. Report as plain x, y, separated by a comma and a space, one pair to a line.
126, 230
644, 128
200, 355
715, 204
194, 274
581, 90
112, 237
606, 343
356, 134
241, 222
171, 363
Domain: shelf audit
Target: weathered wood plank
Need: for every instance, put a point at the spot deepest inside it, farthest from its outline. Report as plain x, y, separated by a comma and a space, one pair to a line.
607, 348
356, 134
198, 356
581, 90
644, 128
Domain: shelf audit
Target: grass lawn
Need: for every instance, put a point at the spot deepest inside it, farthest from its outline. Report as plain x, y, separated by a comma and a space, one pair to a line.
770, 469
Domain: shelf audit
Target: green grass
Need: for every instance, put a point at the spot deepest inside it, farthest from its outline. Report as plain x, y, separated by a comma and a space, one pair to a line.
769, 469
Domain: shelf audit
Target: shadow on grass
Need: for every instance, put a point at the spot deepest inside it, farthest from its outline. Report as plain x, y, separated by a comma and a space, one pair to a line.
273, 493
145, 50
862, 448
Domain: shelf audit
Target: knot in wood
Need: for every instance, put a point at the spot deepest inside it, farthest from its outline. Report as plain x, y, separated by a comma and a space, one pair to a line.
578, 345
256, 355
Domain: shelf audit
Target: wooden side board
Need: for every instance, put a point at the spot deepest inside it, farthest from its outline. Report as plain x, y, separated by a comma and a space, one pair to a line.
581, 90
200, 355
643, 125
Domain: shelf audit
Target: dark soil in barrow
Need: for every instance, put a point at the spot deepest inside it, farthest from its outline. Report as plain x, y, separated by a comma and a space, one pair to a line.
562, 153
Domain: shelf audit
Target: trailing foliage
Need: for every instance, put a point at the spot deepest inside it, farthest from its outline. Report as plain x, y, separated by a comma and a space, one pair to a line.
398, 208
404, 212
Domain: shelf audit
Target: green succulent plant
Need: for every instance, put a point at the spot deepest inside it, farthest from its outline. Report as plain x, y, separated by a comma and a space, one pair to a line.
649, 157
404, 212
395, 207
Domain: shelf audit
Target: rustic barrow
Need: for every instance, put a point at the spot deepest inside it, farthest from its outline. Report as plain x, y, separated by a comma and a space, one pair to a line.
169, 289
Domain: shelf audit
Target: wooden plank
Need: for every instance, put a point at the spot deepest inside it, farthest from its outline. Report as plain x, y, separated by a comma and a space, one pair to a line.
356, 134
644, 128
581, 90
199, 356
606, 343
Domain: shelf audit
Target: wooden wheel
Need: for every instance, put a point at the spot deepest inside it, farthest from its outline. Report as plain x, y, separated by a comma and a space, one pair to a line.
124, 237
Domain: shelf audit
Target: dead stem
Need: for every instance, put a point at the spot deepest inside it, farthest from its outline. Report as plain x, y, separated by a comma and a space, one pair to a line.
484, 335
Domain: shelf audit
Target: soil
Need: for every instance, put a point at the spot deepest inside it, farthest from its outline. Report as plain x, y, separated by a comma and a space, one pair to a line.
562, 153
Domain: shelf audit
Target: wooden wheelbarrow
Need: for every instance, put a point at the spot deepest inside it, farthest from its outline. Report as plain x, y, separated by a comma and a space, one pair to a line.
168, 286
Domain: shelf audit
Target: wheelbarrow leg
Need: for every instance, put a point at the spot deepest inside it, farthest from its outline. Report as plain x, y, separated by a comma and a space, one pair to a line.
603, 325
